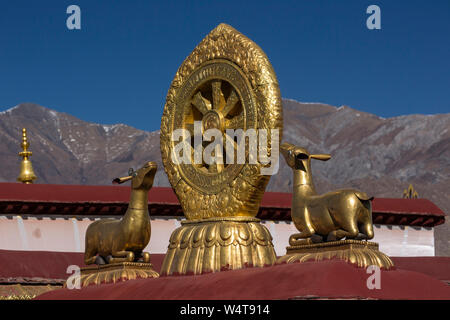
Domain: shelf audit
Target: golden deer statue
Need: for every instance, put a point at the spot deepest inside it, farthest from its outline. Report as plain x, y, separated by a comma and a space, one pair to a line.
111, 240
328, 217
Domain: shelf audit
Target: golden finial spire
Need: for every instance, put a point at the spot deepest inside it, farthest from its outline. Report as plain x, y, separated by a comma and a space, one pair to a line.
26, 169
410, 193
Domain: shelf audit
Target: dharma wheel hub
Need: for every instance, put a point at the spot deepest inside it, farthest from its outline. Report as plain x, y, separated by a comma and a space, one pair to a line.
227, 82
213, 120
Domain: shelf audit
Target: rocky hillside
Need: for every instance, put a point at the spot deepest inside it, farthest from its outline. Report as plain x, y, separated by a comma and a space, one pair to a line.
380, 156
67, 150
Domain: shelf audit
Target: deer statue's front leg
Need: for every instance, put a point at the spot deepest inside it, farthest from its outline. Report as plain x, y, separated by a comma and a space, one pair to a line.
341, 233
121, 256
304, 238
99, 260
142, 257
296, 240
145, 257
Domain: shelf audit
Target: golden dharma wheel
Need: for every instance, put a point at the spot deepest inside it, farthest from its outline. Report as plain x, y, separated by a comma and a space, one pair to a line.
227, 82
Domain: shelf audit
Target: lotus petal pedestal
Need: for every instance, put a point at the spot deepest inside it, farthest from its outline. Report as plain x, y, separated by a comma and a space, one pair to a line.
361, 253
114, 272
218, 244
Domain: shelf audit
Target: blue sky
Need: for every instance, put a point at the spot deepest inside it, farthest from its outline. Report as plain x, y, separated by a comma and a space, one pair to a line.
118, 67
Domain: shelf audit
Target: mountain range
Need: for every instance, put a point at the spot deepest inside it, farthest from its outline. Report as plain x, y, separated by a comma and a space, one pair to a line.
381, 156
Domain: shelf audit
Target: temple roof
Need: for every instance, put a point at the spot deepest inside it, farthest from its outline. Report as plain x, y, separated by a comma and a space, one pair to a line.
80, 201
308, 280
411, 278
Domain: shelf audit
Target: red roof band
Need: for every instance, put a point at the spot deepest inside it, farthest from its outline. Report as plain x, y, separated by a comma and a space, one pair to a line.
412, 278
49, 200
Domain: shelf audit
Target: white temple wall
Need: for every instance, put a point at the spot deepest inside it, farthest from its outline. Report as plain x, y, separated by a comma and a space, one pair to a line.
67, 235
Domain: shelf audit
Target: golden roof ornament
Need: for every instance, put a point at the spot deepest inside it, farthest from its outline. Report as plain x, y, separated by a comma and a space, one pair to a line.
410, 193
323, 221
26, 175
227, 83
116, 246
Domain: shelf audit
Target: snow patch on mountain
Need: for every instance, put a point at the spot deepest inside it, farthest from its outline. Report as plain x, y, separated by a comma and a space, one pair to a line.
9, 110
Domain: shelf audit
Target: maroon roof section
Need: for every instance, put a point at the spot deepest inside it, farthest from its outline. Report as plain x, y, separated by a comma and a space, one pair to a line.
23, 266
436, 267
36, 266
78, 193
308, 280
17, 266
92, 201
412, 278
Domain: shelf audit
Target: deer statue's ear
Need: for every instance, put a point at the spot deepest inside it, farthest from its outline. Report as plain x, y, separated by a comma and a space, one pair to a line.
286, 146
323, 157
122, 180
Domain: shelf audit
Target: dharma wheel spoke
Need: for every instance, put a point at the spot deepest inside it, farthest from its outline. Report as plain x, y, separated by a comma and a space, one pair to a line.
218, 98
197, 165
229, 140
200, 103
220, 166
189, 127
231, 103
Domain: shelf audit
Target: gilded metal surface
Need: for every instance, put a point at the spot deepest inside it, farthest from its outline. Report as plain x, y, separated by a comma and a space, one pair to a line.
123, 240
114, 272
332, 216
20, 297
227, 82
410, 193
27, 291
217, 244
26, 175
360, 253
323, 220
